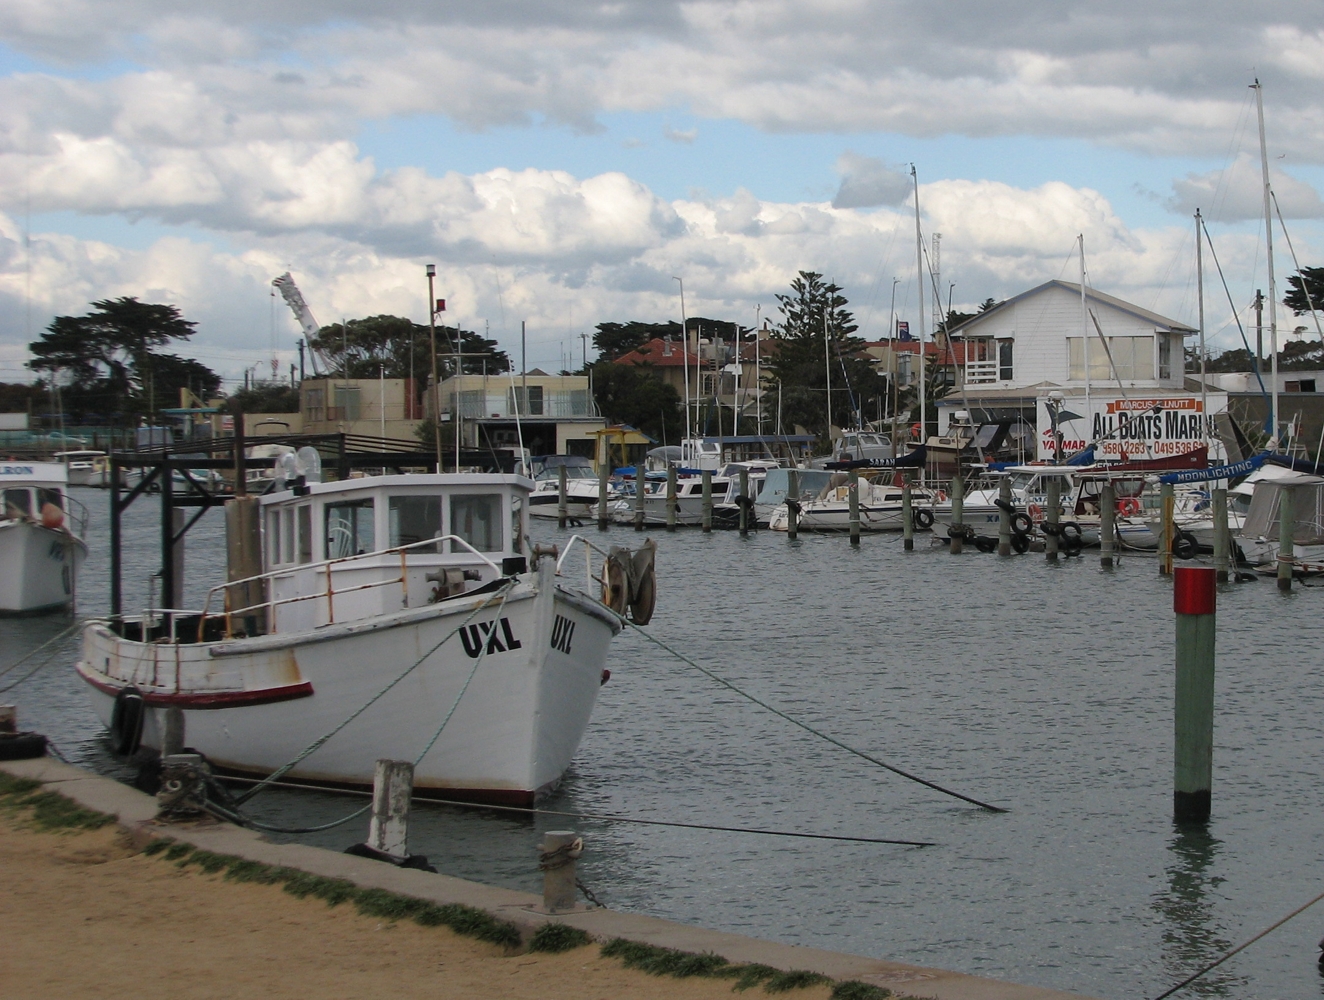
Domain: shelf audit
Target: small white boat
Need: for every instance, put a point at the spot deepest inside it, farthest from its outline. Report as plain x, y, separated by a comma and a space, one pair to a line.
689, 501
581, 488
776, 482
880, 505
86, 467
413, 588
1259, 531
41, 538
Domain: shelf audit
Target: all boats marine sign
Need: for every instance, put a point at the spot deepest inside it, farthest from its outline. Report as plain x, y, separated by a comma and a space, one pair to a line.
1130, 429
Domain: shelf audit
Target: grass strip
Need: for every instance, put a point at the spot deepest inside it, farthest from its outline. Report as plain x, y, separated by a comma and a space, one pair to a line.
659, 961
47, 810
466, 920
558, 937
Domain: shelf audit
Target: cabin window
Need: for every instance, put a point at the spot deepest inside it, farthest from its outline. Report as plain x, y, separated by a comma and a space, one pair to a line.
273, 536
516, 522
53, 497
287, 535
349, 528
18, 503
477, 519
415, 519
306, 533
1005, 348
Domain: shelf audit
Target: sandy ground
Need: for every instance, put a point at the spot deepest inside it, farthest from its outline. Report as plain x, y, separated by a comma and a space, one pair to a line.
82, 915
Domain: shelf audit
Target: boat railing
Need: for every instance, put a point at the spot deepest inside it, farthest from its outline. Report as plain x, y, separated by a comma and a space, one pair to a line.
330, 592
589, 549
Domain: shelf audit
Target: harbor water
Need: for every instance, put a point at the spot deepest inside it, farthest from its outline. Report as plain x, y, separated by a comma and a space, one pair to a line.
1043, 689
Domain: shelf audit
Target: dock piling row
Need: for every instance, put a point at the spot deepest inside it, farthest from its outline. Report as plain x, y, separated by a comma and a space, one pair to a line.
957, 534
853, 491
1004, 516
907, 516
1052, 517
1107, 524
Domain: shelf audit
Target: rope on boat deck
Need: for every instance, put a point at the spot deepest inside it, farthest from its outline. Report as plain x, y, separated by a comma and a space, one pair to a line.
63, 634
318, 743
808, 728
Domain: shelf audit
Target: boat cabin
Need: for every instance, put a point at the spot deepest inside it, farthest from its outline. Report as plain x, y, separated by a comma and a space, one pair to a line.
35, 491
334, 552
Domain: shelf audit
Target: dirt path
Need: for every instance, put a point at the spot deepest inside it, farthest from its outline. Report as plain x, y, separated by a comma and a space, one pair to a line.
83, 915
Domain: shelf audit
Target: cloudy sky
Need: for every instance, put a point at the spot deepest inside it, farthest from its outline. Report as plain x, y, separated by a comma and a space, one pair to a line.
561, 162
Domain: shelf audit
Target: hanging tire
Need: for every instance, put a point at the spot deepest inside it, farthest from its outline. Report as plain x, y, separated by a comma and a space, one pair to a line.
1184, 545
22, 746
986, 543
1070, 533
1020, 543
645, 598
126, 722
1071, 546
1021, 523
923, 519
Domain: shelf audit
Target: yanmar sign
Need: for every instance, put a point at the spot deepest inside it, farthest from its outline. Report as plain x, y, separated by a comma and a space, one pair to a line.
1128, 429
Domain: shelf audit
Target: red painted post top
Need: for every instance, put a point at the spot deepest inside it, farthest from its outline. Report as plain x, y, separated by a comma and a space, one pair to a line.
1194, 589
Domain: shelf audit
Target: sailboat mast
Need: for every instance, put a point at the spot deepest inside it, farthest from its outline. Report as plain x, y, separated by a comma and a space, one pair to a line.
1085, 342
919, 277
1199, 296
1273, 291
827, 368
684, 366
758, 379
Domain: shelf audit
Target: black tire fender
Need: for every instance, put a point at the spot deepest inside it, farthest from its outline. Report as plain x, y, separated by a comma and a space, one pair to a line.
1184, 545
923, 519
1070, 533
22, 746
126, 721
1020, 543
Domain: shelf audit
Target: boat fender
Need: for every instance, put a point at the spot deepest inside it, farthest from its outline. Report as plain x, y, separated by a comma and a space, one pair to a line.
985, 543
1006, 505
616, 580
419, 862
51, 516
22, 746
923, 519
606, 676
1021, 524
1050, 529
1184, 545
1071, 545
126, 721
643, 583
1020, 543
1128, 506
1070, 532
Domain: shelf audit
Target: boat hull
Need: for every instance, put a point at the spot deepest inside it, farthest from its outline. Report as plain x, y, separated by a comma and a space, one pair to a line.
38, 567
252, 705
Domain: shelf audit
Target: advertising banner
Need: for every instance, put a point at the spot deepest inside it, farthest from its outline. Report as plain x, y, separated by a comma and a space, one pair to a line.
1142, 427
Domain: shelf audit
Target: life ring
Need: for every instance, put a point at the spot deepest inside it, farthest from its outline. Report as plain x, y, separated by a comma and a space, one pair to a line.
644, 599
942, 496
923, 519
1128, 506
1036, 512
1021, 524
126, 721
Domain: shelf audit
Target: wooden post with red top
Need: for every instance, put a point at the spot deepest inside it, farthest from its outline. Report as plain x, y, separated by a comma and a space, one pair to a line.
1194, 590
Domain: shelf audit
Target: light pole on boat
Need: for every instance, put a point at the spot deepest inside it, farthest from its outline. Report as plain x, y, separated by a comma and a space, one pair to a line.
436, 388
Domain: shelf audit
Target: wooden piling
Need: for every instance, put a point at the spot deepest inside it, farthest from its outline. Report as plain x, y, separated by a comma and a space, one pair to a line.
707, 501
853, 493
1222, 537
1167, 529
744, 501
958, 514
1004, 516
1107, 524
560, 849
604, 482
638, 497
561, 511
1286, 532
392, 788
792, 504
1194, 592
907, 516
671, 498
1052, 517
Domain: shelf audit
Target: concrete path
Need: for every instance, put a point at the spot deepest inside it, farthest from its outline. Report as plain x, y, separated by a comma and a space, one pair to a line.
136, 812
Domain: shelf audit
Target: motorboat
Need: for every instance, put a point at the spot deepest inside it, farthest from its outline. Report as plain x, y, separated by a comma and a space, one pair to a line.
581, 487
881, 506
405, 603
1259, 538
85, 467
689, 500
41, 538
774, 489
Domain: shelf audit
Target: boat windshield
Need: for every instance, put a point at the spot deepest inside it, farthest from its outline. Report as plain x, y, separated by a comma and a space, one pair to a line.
571, 472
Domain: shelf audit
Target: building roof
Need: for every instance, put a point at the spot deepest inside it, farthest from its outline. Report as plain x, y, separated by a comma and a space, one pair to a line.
659, 351
1091, 294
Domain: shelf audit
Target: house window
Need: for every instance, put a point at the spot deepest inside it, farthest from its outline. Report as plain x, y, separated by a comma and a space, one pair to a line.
579, 403
313, 402
530, 407
1132, 356
347, 404
1004, 360
349, 528
1165, 357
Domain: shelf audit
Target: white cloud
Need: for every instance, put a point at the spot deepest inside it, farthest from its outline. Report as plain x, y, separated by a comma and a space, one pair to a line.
1237, 193
685, 137
867, 182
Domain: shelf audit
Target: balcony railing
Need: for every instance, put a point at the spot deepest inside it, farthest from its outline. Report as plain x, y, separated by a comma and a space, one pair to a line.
981, 371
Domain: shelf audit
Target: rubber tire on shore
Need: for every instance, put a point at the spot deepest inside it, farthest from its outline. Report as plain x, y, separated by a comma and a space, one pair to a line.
22, 746
1070, 534
923, 519
645, 599
1184, 545
126, 721
1020, 543
1021, 523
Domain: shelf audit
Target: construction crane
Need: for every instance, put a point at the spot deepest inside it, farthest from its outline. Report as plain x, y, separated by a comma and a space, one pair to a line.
290, 291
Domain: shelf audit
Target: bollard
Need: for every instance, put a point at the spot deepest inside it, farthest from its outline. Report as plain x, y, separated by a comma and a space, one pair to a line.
744, 501
1166, 530
638, 497
671, 498
8, 718
1194, 589
1004, 516
907, 516
853, 492
561, 511
707, 501
1286, 530
956, 532
1222, 537
172, 735
559, 849
792, 504
1052, 517
1107, 524
183, 793
392, 788
604, 482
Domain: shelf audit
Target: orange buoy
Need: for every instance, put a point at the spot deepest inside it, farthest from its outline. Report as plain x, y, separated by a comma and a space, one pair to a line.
51, 516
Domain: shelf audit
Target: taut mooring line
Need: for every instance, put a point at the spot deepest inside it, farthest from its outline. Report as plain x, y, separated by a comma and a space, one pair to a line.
808, 728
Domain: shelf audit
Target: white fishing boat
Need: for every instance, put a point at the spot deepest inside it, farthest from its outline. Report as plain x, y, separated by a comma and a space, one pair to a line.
85, 467
581, 487
880, 507
773, 490
41, 538
1259, 539
689, 501
406, 598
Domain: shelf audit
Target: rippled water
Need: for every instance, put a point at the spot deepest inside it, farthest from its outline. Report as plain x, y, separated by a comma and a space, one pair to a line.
1044, 689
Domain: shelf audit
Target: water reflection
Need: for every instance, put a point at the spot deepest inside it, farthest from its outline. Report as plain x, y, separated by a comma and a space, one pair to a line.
1192, 936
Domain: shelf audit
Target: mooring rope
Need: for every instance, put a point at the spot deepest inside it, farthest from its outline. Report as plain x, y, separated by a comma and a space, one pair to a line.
808, 728
63, 634
318, 743
608, 817
1241, 947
